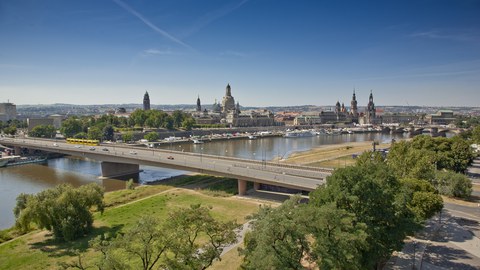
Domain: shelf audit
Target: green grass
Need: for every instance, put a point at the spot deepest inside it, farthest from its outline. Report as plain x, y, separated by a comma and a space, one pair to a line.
39, 251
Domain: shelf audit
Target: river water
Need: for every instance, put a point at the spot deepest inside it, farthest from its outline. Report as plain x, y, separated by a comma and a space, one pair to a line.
33, 178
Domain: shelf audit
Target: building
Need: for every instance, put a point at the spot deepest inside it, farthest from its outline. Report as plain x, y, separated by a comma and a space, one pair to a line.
8, 111
43, 121
199, 105
228, 112
146, 101
443, 117
370, 117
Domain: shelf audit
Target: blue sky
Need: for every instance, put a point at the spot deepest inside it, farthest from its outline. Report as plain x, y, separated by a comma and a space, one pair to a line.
272, 52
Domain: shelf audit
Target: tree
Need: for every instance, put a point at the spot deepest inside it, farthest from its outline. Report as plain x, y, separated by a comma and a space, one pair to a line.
298, 236
94, 133
188, 123
151, 137
189, 239
406, 161
64, 210
139, 116
453, 184
11, 130
70, 127
373, 194
185, 226
80, 135
108, 133
127, 137
43, 131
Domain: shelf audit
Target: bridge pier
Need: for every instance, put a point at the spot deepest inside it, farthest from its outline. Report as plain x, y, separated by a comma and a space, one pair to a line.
114, 169
256, 185
242, 187
17, 150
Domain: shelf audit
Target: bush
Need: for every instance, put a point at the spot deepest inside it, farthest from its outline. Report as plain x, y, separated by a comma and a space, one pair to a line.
453, 184
129, 184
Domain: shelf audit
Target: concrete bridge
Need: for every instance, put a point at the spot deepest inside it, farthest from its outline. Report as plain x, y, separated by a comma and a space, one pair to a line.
117, 160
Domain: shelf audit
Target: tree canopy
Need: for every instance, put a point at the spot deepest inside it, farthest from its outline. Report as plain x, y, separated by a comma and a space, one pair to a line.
64, 210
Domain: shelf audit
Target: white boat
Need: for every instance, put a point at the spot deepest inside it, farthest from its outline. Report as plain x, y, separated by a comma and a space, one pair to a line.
299, 134
197, 141
251, 137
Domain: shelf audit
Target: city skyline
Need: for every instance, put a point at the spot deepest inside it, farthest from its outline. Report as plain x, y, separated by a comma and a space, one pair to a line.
273, 53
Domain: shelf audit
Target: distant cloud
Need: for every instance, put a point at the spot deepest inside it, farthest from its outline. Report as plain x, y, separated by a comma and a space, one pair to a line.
150, 24
158, 52
447, 34
213, 16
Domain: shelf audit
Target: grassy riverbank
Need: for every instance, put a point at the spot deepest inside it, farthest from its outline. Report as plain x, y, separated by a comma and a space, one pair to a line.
37, 250
332, 156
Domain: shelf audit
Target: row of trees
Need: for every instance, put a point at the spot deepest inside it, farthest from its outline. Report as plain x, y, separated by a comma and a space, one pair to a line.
190, 238
10, 127
103, 128
355, 221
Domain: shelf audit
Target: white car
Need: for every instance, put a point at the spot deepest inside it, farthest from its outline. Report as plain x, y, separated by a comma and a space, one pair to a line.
133, 153
92, 148
78, 146
55, 144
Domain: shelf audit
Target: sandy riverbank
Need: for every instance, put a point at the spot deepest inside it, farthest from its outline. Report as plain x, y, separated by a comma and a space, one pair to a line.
330, 154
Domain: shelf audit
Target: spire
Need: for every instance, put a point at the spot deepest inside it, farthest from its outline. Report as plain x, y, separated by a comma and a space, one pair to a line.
199, 106
146, 101
228, 90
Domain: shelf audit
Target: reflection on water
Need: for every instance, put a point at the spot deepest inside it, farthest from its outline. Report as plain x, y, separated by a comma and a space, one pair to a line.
33, 178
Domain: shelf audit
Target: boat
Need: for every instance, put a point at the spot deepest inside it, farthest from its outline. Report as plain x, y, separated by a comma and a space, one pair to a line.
252, 137
17, 160
299, 134
197, 141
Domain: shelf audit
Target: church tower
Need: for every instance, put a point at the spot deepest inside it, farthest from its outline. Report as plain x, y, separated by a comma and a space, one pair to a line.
146, 101
228, 102
371, 110
199, 106
353, 105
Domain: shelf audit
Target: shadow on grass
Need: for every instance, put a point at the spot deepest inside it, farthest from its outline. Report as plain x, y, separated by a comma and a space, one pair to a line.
207, 183
60, 248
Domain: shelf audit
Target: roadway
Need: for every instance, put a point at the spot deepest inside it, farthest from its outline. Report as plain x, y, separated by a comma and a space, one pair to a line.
285, 175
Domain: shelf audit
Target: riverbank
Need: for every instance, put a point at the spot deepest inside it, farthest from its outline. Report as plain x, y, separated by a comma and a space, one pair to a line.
37, 250
332, 156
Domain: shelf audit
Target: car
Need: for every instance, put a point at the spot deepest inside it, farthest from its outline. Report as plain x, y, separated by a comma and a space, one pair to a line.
92, 148
78, 146
133, 153
170, 157
105, 149
56, 145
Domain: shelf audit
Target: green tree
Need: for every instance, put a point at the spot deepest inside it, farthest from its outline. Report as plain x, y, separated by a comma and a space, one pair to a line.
64, 210
178, 117
10, 130
189, 239
294, 235
453, 184
406, 161
127, 137
188, 123
373, 194
70, 127
108, 133
94, 133
139, 116
151, 137
43, 131
80, 135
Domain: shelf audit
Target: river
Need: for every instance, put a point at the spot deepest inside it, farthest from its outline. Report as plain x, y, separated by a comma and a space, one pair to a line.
33, 178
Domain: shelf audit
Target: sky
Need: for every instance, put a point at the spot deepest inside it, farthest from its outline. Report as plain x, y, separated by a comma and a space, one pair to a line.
271, 52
